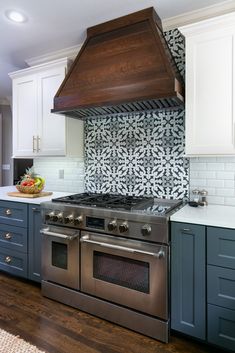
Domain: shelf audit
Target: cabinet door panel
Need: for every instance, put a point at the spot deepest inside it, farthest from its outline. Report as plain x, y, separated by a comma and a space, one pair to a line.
188, 294
209, 109
24, 115
221, 327
221, 247
14, 238
13, 213
221, 286
52, 131
34, 243
13, 262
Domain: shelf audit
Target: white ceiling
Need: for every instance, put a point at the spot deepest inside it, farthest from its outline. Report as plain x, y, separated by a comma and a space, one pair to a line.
57, 24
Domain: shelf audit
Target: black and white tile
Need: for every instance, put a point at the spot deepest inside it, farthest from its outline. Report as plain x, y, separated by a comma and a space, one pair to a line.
139, 154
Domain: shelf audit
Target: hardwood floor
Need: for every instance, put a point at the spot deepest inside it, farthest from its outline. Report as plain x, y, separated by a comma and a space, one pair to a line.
57, 328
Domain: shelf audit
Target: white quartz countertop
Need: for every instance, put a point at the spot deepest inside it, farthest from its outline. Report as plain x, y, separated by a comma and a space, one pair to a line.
211, 215
34, 200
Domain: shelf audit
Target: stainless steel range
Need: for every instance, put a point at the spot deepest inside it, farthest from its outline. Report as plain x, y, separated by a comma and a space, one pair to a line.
109, 255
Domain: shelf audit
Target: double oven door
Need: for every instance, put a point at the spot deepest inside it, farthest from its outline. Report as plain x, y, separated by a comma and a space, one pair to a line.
60, 256
131, 273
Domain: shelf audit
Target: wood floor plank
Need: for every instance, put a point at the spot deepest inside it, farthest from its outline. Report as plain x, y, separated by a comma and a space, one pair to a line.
57, 328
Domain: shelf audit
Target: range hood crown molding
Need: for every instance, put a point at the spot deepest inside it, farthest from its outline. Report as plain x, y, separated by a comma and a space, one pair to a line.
124, 66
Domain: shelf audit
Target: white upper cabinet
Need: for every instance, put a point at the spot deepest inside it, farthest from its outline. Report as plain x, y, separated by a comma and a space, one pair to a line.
210, 86
36, 131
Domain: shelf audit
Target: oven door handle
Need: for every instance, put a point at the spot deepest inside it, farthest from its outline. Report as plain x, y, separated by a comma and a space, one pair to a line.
46, 231
158, 255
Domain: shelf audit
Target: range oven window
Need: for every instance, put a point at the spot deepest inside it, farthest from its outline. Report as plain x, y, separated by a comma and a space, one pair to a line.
122, 271
59, 256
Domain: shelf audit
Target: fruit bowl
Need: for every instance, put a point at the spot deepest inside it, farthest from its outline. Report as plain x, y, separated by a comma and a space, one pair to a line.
29, 189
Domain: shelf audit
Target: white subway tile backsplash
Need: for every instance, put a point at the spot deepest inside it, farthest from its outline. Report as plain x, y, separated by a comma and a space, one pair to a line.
198, 166
217, 176
216, 200
215, 166
225, 175
193, 174
206, 159
197, 183
229, 183
228, 159
229, 201
206, 175
230, 166
225, 192
73, 180
215, 183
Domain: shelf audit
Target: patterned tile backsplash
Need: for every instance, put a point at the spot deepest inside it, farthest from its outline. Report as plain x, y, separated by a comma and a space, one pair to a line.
139, 154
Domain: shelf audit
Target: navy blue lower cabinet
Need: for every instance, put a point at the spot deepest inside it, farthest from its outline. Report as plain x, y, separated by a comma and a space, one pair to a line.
221, 327
188, 279
34, 243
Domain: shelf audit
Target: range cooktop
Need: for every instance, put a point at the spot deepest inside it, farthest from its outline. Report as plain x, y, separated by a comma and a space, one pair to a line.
111, 201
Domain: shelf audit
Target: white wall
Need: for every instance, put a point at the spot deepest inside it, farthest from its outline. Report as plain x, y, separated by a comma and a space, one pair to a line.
217, 176
51, 168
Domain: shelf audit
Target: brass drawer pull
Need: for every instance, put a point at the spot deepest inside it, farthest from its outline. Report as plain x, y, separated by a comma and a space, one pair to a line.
8, 212
8, 259
7, 236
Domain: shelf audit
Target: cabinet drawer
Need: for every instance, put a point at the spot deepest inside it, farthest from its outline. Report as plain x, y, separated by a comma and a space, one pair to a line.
13, 262
14, 238
221, 247
221, 286
221, 327
13, 213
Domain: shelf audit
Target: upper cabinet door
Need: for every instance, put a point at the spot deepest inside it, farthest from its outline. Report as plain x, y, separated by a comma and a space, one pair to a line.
24, 115
210, 79
52, 127
36, 131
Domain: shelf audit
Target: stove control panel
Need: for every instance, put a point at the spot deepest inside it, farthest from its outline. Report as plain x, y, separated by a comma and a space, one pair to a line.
102, 223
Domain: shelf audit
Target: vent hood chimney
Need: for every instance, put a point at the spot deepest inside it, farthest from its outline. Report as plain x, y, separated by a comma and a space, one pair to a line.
123, 66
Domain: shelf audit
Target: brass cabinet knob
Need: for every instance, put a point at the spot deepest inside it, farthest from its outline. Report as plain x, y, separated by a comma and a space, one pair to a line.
8, 212
8, 259
7, 236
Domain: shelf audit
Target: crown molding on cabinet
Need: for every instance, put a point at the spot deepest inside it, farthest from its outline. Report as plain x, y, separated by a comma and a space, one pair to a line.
199, 15
168, 24
212, 24
37, 68
70, 53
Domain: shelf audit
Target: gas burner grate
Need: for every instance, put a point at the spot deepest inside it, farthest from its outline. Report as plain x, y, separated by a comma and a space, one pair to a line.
111, 201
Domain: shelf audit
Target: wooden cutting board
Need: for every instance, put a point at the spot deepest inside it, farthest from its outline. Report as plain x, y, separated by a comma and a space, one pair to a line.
21, 194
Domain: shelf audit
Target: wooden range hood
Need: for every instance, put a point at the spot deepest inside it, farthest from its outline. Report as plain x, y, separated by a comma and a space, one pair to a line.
123, 66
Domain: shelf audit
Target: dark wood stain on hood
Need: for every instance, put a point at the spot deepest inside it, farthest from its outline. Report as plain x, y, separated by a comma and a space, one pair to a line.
124, 65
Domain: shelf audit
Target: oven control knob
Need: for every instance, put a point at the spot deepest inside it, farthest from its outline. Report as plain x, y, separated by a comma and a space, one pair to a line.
78, 220
49, 216
69, 219
146, 229
123, 228
112, 225
58, 217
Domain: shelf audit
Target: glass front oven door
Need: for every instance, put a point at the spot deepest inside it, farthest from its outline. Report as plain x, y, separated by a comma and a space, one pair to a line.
60, 256
127, 272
